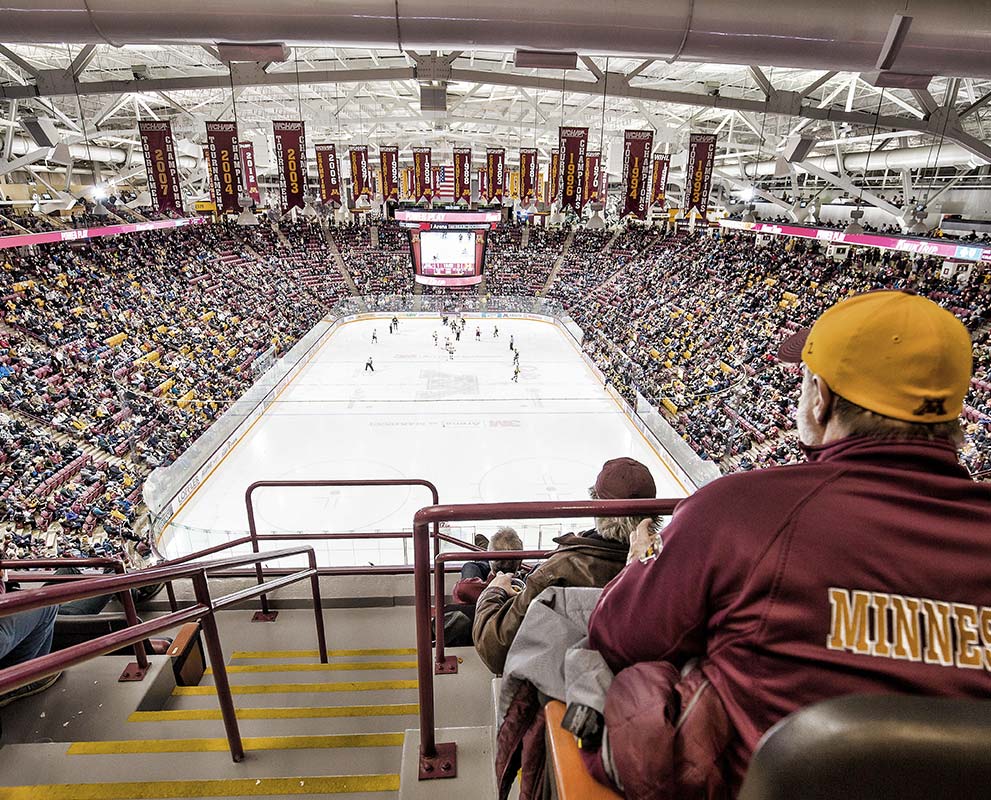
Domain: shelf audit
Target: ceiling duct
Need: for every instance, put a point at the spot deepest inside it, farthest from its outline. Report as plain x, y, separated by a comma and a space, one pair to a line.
544, 59
947, 37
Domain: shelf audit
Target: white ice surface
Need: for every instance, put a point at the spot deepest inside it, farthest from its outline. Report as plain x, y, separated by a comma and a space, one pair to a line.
462, 424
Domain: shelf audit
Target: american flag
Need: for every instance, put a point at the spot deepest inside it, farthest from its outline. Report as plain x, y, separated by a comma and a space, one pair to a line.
444, 182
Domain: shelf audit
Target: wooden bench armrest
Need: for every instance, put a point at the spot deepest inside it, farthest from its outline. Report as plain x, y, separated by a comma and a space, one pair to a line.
571, 779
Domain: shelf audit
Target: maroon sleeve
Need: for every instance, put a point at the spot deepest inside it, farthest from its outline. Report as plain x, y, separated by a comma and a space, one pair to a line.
659, 610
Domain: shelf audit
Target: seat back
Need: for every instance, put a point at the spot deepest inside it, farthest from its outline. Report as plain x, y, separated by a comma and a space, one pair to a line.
876, 747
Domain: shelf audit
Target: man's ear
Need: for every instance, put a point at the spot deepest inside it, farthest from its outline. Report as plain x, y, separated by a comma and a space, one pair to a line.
822, 400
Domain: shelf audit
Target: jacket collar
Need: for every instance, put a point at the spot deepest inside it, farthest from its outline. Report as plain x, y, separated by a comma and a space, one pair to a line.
604, 548
912, 454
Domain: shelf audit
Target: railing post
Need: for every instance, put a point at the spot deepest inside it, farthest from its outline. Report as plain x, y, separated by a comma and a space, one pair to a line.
216, 653
318, 608
136, 670
266, 614
170, 591
435, 760
442, 665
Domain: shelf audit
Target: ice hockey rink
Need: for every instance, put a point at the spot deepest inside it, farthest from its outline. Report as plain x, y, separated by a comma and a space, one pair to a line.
460, 422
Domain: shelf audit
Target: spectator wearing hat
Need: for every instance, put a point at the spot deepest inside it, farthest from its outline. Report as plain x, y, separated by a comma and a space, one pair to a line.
591, 558
863, 571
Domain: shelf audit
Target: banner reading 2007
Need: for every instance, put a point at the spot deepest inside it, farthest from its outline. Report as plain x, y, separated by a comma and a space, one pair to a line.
360, 185
290, 155
328, 175
161, 165
636, 155
659, 181
528, 174
495, 165
462, 174
573, 143
701, 157
389, 161
225, 165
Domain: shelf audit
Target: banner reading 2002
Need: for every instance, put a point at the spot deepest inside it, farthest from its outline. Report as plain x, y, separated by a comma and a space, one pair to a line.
462, 174
573, 143
636, 153
161, 165
328, 175
290, 155
698, 178
225, 165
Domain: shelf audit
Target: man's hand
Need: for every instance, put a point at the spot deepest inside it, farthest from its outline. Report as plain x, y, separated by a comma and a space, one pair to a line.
644, 543
502, 581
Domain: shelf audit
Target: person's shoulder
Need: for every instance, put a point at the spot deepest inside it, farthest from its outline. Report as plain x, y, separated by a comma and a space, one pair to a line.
761, 488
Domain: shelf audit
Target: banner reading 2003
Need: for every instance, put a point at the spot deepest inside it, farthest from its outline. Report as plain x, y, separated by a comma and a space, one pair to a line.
161, 165
290, 155
573, 143
225, 165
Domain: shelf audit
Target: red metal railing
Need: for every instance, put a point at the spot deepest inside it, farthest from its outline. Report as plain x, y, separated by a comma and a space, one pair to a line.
439, 760
203, 610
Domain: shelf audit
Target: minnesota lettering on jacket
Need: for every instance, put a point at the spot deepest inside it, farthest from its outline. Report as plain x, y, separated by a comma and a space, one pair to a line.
910, 628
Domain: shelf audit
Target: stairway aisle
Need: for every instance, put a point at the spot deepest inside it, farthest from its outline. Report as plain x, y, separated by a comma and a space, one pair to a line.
323, 730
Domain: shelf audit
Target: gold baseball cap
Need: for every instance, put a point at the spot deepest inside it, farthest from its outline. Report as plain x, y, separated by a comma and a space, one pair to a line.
892, 352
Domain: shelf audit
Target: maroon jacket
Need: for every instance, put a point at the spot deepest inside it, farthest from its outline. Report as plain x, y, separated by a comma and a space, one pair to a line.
864, 571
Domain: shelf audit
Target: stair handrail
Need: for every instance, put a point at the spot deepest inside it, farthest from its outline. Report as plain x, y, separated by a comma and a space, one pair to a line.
439, 760
203, 610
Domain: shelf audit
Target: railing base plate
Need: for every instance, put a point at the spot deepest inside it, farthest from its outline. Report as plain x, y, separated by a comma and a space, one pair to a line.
264, 616
132, 672
442, 765
449, 666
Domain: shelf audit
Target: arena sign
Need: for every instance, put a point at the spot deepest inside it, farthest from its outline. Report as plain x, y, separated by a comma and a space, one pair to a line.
225, 165
636, 153
573, 144
161, 165
940, 248
290, 156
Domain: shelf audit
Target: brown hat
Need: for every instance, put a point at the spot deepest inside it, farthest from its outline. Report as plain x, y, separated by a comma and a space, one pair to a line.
624, 479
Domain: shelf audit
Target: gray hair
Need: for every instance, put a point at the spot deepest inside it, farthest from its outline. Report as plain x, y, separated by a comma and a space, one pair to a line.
859, 421
617, 529
505, 538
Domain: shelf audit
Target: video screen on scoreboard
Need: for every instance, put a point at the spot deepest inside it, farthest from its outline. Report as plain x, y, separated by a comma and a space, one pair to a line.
447, 247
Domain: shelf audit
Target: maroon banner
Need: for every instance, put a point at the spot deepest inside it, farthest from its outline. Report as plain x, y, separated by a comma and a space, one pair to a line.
636, 157
161, 165
495, 167
659, 180
389, 161
248, 172
483, 185
698, 180
360, 185
528, 174
422, 190
462, 174
225, 161
590, 186
434, 182
329, 175
290, 156
573, 143
555, 173
209, 177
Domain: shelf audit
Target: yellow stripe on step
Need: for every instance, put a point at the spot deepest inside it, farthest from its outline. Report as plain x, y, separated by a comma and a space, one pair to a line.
401, 651
340, 666
242, 787
324, 742
297, 688
289, 712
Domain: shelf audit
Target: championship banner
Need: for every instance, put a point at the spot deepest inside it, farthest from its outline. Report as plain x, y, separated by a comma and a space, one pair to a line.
209, 177
161, 165
483, 185
514, 184
555, 173
495, 166
389, 161
329, 175
573, 143
290, 155
636, 152
462, 174
422, 189
434, 181
528, 174
360, 185
591, 187
248, 171
701, 158
225, 163
659, 180
406, 173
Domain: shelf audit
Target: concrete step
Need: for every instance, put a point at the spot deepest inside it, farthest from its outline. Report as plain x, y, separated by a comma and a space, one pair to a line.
339, 672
